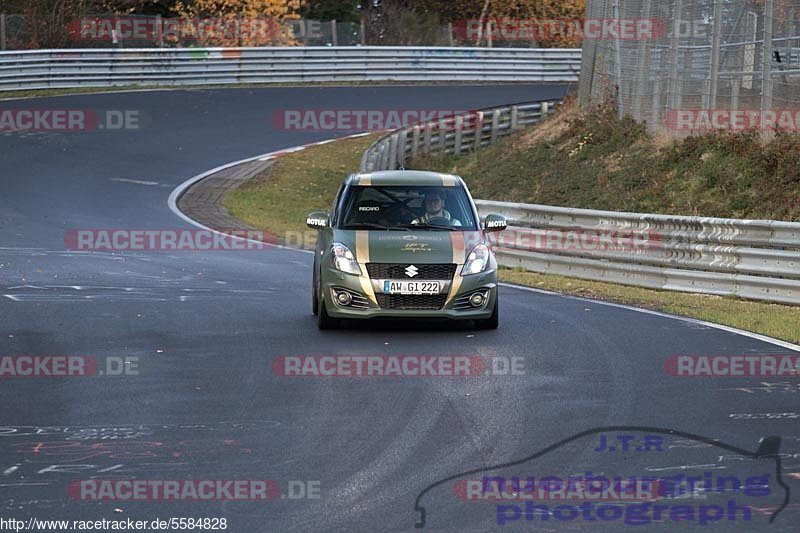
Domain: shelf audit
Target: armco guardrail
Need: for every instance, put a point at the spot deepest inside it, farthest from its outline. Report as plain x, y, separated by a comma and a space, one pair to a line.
756, 259
42, 69
454, 135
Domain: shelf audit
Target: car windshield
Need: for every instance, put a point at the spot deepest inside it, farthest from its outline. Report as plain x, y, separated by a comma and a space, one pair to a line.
403, 208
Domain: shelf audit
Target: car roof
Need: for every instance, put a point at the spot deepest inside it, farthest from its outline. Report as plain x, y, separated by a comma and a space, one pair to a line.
405, 177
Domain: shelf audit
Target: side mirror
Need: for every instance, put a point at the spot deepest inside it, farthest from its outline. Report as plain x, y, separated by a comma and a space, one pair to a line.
317, 220
495, 223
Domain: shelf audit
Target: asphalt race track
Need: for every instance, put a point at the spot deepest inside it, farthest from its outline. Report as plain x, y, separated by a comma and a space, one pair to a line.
204, 328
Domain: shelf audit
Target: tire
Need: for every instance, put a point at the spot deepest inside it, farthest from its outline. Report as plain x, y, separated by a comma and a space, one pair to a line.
314, 295
493, 321
323, 320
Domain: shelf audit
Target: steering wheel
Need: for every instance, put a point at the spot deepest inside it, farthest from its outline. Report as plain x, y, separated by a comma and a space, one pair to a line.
440, 221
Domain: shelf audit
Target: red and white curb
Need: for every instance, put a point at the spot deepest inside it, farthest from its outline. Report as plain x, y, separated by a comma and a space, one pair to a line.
175, 195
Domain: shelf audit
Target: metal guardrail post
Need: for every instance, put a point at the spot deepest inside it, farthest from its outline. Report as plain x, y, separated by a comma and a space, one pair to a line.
514, 113
442, 137
459, 126
478, 129
393, 152
495, 124
414, 142
426, 146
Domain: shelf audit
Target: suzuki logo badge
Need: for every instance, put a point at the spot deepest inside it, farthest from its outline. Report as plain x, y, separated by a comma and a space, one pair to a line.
411, 271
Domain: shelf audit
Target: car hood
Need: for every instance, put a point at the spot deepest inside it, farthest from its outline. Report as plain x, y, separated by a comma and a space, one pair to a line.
409, 246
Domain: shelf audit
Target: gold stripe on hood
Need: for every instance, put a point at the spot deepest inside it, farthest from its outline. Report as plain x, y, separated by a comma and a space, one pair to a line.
362, 256
459, 256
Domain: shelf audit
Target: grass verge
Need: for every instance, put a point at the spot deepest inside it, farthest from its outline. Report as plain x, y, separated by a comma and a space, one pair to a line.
279, 198
594, 160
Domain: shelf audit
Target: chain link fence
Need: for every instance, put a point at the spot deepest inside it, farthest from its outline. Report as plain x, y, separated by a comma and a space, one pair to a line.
697, 64
389, 29
141, 31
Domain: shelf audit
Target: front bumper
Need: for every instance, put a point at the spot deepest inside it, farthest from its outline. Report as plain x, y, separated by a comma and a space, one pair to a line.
367, 305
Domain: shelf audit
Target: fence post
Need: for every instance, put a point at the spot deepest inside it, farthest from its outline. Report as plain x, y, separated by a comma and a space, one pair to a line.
766, 67
2, 31
655, 118
735, 82
618, 66
706, 96
672, 91
334, 36
643, 75
716, 40
363, 32
450, 33
159, 32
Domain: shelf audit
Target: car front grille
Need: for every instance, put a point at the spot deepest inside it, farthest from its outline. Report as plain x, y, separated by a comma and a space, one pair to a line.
425, 271
411, 301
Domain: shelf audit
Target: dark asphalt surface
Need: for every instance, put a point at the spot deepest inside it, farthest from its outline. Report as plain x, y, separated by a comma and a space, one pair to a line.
206, 326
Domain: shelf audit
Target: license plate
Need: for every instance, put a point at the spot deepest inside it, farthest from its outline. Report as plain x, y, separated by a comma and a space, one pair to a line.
411, 287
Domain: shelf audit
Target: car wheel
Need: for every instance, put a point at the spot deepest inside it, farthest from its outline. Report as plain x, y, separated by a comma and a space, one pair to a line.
314, 295
323, 320
493, 321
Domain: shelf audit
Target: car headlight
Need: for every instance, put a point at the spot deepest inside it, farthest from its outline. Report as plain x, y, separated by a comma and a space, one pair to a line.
477, 260
343, 259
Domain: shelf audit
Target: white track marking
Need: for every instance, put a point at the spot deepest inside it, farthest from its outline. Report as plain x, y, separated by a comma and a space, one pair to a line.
729, 329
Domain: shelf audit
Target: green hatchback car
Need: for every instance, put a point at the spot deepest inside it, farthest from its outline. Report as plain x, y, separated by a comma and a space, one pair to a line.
404, 244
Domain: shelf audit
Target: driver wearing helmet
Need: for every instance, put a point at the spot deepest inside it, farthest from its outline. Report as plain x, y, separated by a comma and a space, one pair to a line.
434, 208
